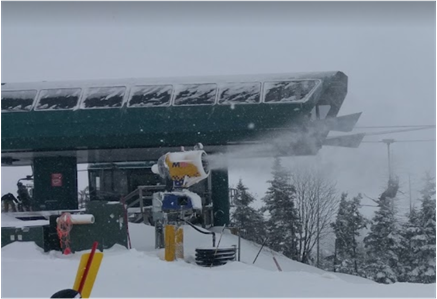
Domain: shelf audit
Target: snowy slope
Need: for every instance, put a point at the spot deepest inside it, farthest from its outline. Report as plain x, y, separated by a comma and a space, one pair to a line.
141, 272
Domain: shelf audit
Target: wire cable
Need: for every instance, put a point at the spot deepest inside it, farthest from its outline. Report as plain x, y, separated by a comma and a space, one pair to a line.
417, 140
398, 131
403, 126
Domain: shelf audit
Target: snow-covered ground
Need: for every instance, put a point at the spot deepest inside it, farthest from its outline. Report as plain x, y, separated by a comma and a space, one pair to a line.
27, 271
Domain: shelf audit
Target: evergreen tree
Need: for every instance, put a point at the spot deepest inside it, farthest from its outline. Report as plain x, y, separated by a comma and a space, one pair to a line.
249, 220
341, 233
407, 251
383, 241
283, 224
424, 243
346, 228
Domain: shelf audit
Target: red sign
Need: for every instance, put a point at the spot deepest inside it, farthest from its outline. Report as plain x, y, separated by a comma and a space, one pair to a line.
56, 179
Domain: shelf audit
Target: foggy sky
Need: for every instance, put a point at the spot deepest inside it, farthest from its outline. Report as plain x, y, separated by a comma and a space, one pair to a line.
387, 49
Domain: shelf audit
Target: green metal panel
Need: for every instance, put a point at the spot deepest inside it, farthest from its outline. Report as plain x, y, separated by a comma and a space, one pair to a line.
86, 132
23, 234
49, 193
108, 229
8, 235
143, 127
220, 196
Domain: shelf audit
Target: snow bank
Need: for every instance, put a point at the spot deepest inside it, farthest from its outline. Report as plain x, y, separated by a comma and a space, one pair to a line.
141, 272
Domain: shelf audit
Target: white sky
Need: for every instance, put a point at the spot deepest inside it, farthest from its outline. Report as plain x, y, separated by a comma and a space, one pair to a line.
386, 49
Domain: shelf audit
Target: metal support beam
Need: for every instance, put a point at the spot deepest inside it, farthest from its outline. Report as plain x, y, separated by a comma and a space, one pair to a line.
220, 196
388, 142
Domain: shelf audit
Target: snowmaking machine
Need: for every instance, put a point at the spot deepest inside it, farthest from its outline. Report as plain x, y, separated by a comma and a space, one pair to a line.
177, 207
184, 169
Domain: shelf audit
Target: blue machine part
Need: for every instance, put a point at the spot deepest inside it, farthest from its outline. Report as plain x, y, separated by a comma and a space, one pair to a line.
176, 202
179, 183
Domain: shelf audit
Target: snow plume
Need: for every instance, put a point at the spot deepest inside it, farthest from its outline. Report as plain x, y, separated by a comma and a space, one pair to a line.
276, 143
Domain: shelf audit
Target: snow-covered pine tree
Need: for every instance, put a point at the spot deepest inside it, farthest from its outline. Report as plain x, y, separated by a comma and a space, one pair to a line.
341, 235
347, 228
249, 220
383, 241
425, 241
407, 249
282, 225
358, 223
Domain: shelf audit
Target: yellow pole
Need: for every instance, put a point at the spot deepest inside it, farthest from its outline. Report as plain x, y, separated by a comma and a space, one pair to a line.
170, 243
92, 274
180, 243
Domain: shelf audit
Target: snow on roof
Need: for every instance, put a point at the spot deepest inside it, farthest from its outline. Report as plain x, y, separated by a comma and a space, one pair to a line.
170, 80
10, 221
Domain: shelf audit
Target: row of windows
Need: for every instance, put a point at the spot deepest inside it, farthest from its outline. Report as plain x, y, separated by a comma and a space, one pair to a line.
159, 95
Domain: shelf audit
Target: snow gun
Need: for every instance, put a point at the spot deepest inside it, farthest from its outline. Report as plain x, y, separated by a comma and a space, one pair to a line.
184, 168
172, 209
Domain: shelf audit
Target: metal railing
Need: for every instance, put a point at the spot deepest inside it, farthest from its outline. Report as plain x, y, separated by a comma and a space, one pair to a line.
138, 203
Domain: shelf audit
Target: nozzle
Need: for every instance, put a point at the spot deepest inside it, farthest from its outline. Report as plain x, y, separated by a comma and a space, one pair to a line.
155, 169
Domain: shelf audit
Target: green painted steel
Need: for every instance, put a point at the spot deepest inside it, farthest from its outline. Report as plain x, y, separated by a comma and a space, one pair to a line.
220, 196
23, 234
55, 183
160, 127
108, 229
143, 127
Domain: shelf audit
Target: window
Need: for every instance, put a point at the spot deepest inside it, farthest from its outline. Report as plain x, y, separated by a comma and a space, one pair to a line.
240, 93
150, 96
58, 99
104, 97
20, 100
288, 91
120, 182
195, 94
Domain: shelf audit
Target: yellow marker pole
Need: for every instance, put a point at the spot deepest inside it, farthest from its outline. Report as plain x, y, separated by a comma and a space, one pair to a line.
170, 243
89, 269
180, 243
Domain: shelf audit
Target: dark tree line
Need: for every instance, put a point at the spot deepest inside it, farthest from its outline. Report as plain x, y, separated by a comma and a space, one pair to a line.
298, 208
302, 207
